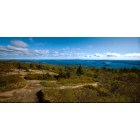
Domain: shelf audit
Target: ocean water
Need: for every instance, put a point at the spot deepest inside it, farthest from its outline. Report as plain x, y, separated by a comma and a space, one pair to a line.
95, 63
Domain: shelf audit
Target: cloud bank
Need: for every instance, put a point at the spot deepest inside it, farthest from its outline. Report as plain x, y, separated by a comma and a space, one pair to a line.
20, 49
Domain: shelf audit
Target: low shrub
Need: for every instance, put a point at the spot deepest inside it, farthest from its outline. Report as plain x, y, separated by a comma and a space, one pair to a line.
10, 82
39, 77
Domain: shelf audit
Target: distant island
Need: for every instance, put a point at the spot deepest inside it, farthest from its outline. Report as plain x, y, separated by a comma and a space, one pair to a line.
129, 64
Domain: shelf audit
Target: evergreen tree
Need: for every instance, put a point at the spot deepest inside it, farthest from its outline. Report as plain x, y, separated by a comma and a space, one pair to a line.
80, 70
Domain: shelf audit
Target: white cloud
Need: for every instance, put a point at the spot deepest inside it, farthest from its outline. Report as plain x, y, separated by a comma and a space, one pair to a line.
118, 56
133, 55
71, 49
19, 43
20, 49
98, 55
66, 48
12, 51
112, 55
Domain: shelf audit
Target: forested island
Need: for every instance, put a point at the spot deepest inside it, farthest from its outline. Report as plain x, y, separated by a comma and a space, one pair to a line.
46, 83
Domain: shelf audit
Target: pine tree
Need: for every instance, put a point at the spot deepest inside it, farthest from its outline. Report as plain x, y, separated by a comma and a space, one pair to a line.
80, 70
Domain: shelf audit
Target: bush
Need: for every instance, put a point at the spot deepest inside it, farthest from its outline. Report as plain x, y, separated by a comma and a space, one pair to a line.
6, 67
10, 82
39, 77
80, 70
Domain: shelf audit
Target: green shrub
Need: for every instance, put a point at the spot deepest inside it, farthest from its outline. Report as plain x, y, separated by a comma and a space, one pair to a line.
80, 70
10, 82
39, 77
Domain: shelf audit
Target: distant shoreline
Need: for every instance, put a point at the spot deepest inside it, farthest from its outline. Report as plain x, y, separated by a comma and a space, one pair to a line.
115, 64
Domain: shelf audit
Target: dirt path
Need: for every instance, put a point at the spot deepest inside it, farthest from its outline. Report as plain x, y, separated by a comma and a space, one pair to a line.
74, 86
26, 94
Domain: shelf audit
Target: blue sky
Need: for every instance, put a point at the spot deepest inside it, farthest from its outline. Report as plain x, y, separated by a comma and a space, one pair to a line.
70, 48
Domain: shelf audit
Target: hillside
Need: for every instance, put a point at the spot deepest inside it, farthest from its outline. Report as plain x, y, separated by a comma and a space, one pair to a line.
32, 82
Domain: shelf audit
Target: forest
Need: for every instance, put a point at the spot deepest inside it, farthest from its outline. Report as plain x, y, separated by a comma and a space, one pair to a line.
68, 84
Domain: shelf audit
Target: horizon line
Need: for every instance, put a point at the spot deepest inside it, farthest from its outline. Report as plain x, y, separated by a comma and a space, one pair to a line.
62, 59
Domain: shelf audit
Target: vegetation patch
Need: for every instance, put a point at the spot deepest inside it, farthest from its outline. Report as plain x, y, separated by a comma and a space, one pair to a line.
10, 82
87, 94
114, 85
